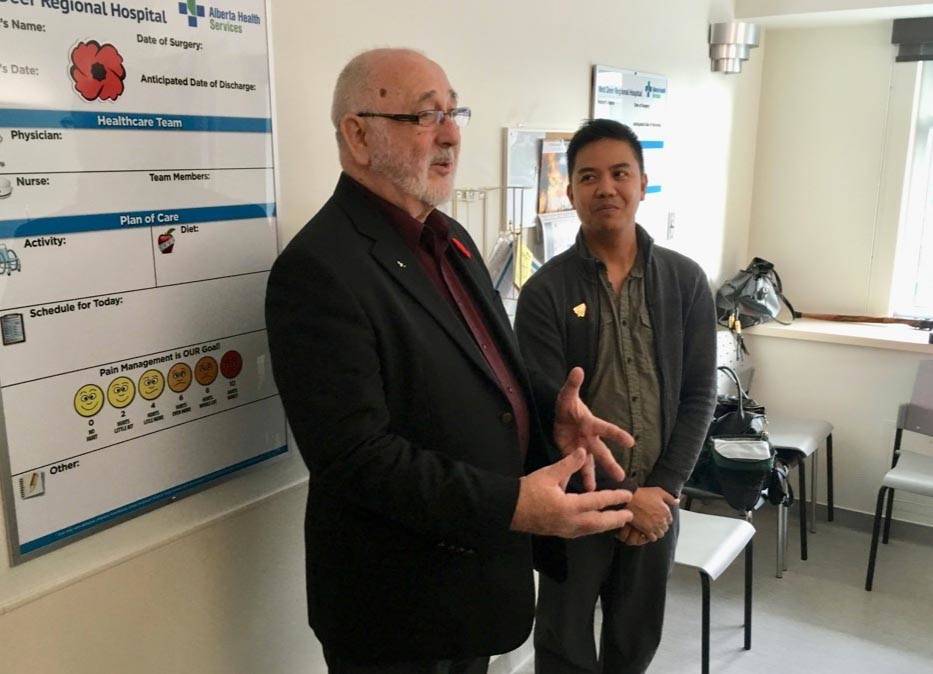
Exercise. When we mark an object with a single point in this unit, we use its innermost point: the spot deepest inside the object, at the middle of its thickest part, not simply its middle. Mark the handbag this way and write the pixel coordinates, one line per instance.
(737, 415)
(754, 295)
(737, 459)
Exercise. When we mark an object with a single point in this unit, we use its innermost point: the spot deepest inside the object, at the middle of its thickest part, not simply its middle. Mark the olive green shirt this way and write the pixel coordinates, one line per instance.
(624, 389)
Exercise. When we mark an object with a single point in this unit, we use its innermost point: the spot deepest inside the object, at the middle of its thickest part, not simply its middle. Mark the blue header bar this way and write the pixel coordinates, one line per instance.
(65, 224)
(652, 144)
(129, 121)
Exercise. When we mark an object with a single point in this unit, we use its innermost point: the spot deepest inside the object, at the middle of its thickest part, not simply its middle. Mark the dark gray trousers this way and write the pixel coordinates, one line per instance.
(630, 581)
(338, 665)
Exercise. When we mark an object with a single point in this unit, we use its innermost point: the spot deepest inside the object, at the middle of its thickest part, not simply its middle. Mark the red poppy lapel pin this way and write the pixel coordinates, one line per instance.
(464, 251)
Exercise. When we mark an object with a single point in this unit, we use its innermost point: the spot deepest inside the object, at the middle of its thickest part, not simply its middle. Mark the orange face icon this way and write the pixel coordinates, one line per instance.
(205, 371)
(179, 377)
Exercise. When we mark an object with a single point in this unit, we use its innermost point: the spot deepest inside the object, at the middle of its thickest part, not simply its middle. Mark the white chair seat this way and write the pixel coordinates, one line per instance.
(804, 435)
(710, 543)
(913, 473)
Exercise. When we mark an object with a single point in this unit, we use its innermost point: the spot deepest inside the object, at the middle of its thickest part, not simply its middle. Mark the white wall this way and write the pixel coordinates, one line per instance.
(773, 7)
(528, 63)
(831, 151)
(813, 12)
(229, 596)
(858, 390)
(820, 154)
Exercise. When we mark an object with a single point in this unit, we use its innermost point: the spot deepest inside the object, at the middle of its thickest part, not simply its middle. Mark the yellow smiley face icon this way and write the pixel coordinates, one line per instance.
(179, 377)
(121, 392)
(151, 384)
(88, 400)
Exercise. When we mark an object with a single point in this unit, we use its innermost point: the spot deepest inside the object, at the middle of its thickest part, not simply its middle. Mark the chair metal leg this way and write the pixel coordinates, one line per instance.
(898, 434)
(802, 474)
(887, 517)
(781, 536)
(814, 466)
(829, 478)
(873, 552)
(894, 457)
(704, 580)
(749, 555)
(786, 526)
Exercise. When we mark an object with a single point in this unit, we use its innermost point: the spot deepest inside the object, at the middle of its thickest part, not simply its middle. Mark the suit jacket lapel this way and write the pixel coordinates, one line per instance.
(394, 256)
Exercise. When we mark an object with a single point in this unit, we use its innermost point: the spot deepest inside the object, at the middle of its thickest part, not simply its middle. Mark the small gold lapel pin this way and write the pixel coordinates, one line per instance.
(401, 264)
(580, 310)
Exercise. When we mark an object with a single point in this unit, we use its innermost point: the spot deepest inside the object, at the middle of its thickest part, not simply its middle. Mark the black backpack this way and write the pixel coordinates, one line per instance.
(752, 296)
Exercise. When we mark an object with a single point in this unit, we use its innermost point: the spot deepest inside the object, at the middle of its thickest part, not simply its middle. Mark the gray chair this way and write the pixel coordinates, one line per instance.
(710, 544)
(910, 471)
(795, 439)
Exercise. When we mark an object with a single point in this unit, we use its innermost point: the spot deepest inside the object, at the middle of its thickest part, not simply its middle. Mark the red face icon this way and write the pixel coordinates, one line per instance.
(230, 364)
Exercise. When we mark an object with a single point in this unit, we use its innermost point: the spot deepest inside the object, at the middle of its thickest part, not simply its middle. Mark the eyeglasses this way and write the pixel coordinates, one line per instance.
(428, 118)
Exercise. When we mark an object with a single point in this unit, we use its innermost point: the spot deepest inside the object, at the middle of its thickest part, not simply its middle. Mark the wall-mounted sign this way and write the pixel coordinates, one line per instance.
(137, 228)
(639, 100)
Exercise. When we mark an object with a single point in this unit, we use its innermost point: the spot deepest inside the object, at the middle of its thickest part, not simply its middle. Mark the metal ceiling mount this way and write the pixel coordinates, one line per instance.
(730, 44)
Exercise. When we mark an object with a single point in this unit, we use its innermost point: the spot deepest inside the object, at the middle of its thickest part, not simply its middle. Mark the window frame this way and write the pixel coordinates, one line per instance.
(916, 209)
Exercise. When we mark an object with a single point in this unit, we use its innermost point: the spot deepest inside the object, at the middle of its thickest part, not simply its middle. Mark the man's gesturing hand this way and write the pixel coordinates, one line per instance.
(544, 508)
(575, 426)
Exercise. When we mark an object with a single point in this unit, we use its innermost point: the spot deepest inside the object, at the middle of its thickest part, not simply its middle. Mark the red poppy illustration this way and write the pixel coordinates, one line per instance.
(97, 71)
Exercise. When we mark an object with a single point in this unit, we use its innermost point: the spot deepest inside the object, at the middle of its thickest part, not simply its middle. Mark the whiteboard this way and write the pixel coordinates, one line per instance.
(137, 228)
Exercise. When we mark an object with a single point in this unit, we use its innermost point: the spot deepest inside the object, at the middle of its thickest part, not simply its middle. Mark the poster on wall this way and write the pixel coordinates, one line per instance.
(639, 100)
(137, 228)
(553, 178)
(558, 219)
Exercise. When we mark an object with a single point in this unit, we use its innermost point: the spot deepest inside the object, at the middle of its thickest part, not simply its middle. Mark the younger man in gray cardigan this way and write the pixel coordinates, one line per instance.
(639, 320)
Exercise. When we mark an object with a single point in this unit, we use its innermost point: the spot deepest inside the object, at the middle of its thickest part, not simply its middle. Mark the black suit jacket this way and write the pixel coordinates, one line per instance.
(414, 463)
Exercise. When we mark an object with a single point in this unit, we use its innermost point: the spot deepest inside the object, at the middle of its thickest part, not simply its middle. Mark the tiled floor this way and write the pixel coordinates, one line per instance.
(817, 619)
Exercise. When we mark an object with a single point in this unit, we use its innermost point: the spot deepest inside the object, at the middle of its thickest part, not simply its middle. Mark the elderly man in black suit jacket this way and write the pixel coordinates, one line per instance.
(409, 402)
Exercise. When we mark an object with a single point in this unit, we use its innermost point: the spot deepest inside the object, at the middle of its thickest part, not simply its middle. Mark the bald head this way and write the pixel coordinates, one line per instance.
(407, 163)
(376, 79)
(353, 91)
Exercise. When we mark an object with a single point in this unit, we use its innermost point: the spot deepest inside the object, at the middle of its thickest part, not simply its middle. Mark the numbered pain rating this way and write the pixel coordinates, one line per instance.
(120, 393)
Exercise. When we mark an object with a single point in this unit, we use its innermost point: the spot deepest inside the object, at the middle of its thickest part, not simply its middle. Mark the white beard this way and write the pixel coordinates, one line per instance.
(410, 173)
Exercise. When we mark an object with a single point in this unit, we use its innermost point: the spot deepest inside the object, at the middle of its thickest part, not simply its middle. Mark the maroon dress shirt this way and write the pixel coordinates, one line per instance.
(430, 241)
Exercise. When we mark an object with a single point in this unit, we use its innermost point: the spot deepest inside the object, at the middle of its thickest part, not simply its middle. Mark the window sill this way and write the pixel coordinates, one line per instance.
(873, 335)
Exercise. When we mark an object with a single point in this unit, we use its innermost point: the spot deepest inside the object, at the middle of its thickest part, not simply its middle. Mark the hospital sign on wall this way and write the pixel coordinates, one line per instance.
(137, 228)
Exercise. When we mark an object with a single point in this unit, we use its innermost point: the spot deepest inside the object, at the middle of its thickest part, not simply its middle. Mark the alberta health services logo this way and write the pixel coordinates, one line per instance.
(192, 11)
(654, 91)
(227, 20)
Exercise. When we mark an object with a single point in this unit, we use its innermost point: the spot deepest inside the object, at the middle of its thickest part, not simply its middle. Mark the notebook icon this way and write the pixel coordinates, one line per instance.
(32, 484)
